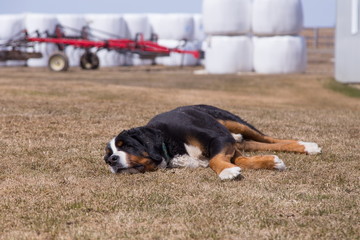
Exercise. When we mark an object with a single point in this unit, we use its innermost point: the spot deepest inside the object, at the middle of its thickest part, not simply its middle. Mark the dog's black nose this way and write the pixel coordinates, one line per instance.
(114, 158)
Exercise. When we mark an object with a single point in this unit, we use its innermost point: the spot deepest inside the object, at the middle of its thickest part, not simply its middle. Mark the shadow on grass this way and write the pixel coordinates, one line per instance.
(344, 89)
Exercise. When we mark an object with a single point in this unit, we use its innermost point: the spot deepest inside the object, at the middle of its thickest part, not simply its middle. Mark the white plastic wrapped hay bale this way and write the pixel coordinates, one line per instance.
(72, 26)
(177, 59)
(279, 54)
(41, 23)
(172, 26)
(110, 58)
(15, 63)
(11, 27)
(277, 17)
(72, 23)
(132, 59)
(199, 33)
(107, 26)
(138, 23)
(227, 17)
(74, 54)
(228, 55)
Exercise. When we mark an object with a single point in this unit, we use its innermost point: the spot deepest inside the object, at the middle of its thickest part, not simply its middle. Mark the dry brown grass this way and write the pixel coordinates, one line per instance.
(55, 185)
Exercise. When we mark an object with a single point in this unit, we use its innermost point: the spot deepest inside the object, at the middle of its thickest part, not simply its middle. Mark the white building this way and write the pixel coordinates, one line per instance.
(347, 49)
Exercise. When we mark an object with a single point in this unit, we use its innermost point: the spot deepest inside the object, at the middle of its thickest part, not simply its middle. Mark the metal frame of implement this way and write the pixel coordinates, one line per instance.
(58, 61)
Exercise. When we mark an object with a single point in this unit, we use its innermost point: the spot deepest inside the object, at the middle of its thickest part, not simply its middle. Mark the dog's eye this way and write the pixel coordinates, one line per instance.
(119, 144)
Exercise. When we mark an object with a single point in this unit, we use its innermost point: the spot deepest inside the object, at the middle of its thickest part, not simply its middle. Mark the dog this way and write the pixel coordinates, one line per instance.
(198, 136)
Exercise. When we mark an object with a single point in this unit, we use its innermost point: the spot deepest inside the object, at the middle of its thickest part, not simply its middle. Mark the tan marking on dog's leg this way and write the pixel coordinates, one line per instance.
(281, 147)
(249, 133)
(297, 147)
(276, 140)
(260, 162)
(221, 165)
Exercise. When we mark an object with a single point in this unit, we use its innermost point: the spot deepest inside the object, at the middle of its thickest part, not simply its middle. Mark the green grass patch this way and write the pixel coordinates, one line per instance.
(343, 88)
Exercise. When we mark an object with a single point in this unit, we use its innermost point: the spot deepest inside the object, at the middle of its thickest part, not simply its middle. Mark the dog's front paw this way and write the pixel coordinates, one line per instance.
(230, 173)
(279, 164)
(311, 148)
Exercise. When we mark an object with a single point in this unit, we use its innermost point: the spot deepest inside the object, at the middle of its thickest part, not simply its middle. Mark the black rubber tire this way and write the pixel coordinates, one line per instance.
(89, 61)
(58, 62)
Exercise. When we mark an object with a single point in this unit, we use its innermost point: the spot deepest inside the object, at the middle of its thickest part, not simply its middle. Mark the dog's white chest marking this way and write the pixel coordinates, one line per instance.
(193, 158)
(193, 151)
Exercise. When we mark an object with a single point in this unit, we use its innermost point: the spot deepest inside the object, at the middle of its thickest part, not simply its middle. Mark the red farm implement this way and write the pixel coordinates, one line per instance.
(58, 61)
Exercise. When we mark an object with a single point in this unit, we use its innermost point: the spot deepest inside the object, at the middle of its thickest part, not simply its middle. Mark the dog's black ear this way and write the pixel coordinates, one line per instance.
(143, 140)
(152, 140)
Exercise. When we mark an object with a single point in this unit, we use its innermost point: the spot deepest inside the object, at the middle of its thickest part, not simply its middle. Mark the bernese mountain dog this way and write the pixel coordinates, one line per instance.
(198, 136)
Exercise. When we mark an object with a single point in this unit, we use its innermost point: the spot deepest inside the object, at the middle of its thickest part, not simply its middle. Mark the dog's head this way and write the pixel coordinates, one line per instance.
(135, 150)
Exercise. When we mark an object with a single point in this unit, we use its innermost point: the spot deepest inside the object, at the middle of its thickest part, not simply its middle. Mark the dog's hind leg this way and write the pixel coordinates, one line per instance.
(296, 146)
(254, 140)
(250, 133)
(271, 162)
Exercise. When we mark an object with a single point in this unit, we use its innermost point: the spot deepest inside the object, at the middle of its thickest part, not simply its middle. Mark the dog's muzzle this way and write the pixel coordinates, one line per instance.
(113, 160)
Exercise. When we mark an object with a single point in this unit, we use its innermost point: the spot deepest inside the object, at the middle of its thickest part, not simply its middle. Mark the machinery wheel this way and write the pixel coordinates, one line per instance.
(58, 62)
(89, 61)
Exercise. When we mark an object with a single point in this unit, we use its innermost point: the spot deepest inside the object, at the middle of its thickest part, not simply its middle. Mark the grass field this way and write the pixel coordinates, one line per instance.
(55, 185)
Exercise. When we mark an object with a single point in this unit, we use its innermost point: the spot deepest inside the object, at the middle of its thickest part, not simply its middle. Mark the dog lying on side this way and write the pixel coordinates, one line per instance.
(198, 136)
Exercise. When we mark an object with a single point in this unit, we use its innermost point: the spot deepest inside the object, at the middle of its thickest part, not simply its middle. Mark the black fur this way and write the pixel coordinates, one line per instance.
(223, 115)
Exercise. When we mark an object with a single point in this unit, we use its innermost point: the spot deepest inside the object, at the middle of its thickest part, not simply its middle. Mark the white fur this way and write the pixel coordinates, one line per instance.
(122, 162)
(123, 159)
(185, 161)
(229, 173)
(193, 151)
(279, 164)
(112, 145)
(310, 147)
(237, 137)
(193, 158)
(163, 164)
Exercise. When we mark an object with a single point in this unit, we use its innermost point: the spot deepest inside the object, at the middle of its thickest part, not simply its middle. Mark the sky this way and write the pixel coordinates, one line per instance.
(317, 13)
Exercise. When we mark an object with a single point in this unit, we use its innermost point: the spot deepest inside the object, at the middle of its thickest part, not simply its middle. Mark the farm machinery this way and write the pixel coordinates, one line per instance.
(18, 48)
